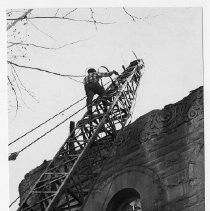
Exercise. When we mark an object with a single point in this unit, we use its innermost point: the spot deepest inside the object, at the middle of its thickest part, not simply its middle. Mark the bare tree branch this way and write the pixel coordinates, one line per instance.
(64, 18)
(153, 16)
(70, 12)
(42, 70)
(134, 18)
(57, 11)
(44, 47)
(92, 17)
(12, 43)
(24, 88)
(16, 98)
(17, 85)
(24, 16)
(42, 31)
(18, 46)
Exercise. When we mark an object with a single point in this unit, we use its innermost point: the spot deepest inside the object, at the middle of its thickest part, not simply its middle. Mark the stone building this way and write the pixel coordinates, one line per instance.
(157, 165)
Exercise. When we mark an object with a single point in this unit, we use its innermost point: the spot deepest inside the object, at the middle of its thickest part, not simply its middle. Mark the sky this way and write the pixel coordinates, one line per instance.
(169, 40)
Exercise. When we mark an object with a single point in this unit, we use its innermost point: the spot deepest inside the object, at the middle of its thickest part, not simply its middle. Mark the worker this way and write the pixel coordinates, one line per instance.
(92, 87)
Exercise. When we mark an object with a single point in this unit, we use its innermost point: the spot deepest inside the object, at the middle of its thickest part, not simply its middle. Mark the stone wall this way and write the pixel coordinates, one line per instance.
(160, 156)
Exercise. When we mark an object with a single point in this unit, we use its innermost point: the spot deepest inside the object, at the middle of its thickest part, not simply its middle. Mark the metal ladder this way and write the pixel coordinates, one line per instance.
(71, 175)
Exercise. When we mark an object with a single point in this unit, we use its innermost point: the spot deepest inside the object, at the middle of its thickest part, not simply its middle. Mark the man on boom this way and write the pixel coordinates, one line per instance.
(92, 86)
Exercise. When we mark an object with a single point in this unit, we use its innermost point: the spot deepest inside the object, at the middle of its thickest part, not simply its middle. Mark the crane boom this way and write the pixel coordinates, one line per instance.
(71, 175)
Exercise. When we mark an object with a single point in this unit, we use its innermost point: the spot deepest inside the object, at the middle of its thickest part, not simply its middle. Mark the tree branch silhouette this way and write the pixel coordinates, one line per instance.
(24, 16)
(45, 47)
(62, 18)
(43, 70)
(16, 97)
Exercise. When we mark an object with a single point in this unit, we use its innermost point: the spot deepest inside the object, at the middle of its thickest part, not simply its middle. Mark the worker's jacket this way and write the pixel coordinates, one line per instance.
(94, 77)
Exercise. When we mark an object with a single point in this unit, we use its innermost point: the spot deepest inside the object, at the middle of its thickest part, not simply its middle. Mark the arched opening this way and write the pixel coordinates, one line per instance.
(127, 199)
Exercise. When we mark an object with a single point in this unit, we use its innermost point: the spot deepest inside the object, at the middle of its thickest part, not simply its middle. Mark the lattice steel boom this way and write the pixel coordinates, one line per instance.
(71, 175)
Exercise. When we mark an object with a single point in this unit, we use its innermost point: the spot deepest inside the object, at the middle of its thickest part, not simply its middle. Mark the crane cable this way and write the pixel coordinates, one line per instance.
(46, 121)
(70, 77)
(14, 155)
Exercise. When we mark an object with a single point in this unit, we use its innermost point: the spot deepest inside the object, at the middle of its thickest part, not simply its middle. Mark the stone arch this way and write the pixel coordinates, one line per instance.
(124, 199)
(139, 179)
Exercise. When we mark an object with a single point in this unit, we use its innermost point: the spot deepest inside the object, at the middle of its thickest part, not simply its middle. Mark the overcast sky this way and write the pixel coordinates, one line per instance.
(169, 40)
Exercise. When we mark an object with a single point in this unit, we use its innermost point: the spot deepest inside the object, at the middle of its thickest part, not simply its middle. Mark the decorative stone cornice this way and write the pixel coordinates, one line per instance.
(159, 122)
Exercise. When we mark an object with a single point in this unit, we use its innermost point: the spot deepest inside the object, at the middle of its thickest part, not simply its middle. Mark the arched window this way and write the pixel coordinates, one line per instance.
(127, 199)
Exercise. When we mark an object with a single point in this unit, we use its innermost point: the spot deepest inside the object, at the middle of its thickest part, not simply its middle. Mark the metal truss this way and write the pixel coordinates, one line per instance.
(71, 175)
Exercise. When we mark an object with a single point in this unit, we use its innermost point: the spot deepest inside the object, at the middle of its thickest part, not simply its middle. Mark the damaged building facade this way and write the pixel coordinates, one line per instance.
(157, 164)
